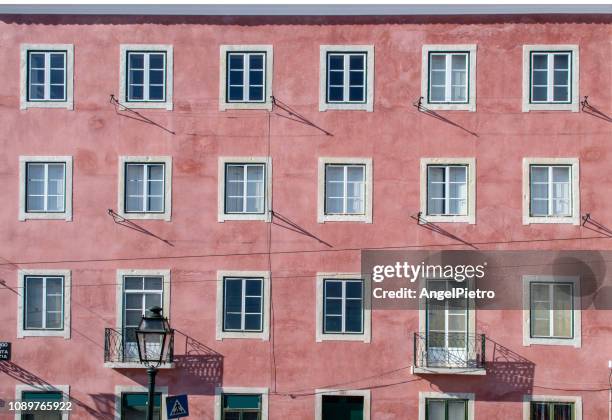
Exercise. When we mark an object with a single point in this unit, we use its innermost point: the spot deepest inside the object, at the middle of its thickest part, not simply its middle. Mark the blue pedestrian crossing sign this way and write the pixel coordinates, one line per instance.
(177, 406)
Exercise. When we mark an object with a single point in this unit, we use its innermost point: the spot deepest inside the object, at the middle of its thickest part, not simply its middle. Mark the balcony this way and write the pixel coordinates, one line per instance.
(121, 350)
(449, 353)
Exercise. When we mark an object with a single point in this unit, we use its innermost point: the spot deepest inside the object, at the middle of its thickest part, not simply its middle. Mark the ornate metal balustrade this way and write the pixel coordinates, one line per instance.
(120, 346)
(449, 350)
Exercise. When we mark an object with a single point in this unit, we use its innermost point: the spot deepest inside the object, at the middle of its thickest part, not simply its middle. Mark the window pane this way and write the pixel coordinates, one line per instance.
(156, 93)
(56, 92)
(438, 78)
(232, 322)
(133, 283)
(540, 94)
(152, 299)
(561, 77)
(134, 187)
(135, 92)
(539, 173)
(333, 306)
(134, 406)
(562, 321)
(256, 61)
(456, 410)
(336, 78)
(247, 401)
(459, 61)
(255, 205)
(236, 93)
(357, 62)
(336, 94)
(539, 411)
(560, 93)
(256, 77)
(256, 93)
(156, 61)
(561, 61)
(437, 94)
(333, 324)
(252, 305)
(438, 61)
(540, 61)
(252, 322)
(136, 60)
(57, 76)
(354, 311)
(233, 295)
(253, 287)
(540, 78)
(133, 301)
(336, 62)
(333, 288)
(435, 410)
(37, 60)
(563, 411)
(34, 302)
(354, 289)
(236, 61)
(355, 78)
(459, 93)
(236, 77)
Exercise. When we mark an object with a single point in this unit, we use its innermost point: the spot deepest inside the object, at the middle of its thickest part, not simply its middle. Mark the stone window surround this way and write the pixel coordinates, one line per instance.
(121, 273)
(258, 335)
(365, 218)
(574, 105)
(576, 341)
(121, 389)
(368, 105)
(23, 91)
(219, 391)
(123, 50)
(423, 396)
(319, 393)
(266, 215)
(367, 312)
(65, 332)
(575, 181)
(64, 389)
(528, 399)
(269, 68)
(167, 214)
(470, 162)
(67, 213)
(429, 48)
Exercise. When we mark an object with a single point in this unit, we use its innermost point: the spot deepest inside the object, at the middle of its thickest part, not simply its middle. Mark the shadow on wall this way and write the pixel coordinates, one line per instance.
(198, 368)
(104, 402)
(509, 377)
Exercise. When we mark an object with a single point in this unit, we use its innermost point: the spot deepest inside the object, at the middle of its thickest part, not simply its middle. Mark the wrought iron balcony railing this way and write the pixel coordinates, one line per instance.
(449, 350)
(120, 346)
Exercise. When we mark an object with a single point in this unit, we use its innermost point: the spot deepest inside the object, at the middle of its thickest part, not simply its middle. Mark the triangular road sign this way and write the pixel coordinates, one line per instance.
(177, 409)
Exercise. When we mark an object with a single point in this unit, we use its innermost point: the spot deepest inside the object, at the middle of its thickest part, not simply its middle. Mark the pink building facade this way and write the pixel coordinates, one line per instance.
(231, 169)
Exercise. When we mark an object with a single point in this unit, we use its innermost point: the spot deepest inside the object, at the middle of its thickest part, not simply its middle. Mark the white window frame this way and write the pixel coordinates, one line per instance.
(365, 393)
(123, 77)
(575, 191)
(424, 396)
(67, 213)
(264, 334)
(266, 215)
(25, 103)
(576, 400)
(64, 389)
(127, 389)
(576, 341)
(470, 217)
(22, 332)
(322, 217)
(224, 104)
(119, 281)
(368, 104)
(366, 335)
(471, 79)
(167, 214)
(574, 104)
(219, 391)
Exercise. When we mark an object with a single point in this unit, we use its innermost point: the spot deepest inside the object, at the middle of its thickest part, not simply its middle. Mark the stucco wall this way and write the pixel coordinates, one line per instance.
(395, 136)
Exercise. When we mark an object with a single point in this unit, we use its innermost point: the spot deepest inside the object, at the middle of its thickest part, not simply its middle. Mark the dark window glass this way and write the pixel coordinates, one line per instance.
(337, 407)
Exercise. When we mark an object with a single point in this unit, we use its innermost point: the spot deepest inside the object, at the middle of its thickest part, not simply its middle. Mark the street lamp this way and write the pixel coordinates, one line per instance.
(152, 339)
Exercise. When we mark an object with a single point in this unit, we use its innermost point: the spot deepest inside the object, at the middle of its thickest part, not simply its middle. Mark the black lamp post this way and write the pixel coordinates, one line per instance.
(153, 343)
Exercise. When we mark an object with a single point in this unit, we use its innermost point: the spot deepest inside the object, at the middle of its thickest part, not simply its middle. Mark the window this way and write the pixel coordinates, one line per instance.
(145, 187)
(449, 77)
(134, 405)
(131, 402)
(246, 77)
(345, 189)
(146, 76)
(446, 406)
(244, 186)
(139, 294)
(550, 191)
(44, 307)
(51, 394)
(343, 307)
(146, 79)
(552, 314)
(47, 76)
(448, 190)
(243, 304)
(347, 80)
(241, 407)
(552, 411)
(238, 403)
(331, 404)
(443, 409)
(550, 77)
(45, 187)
